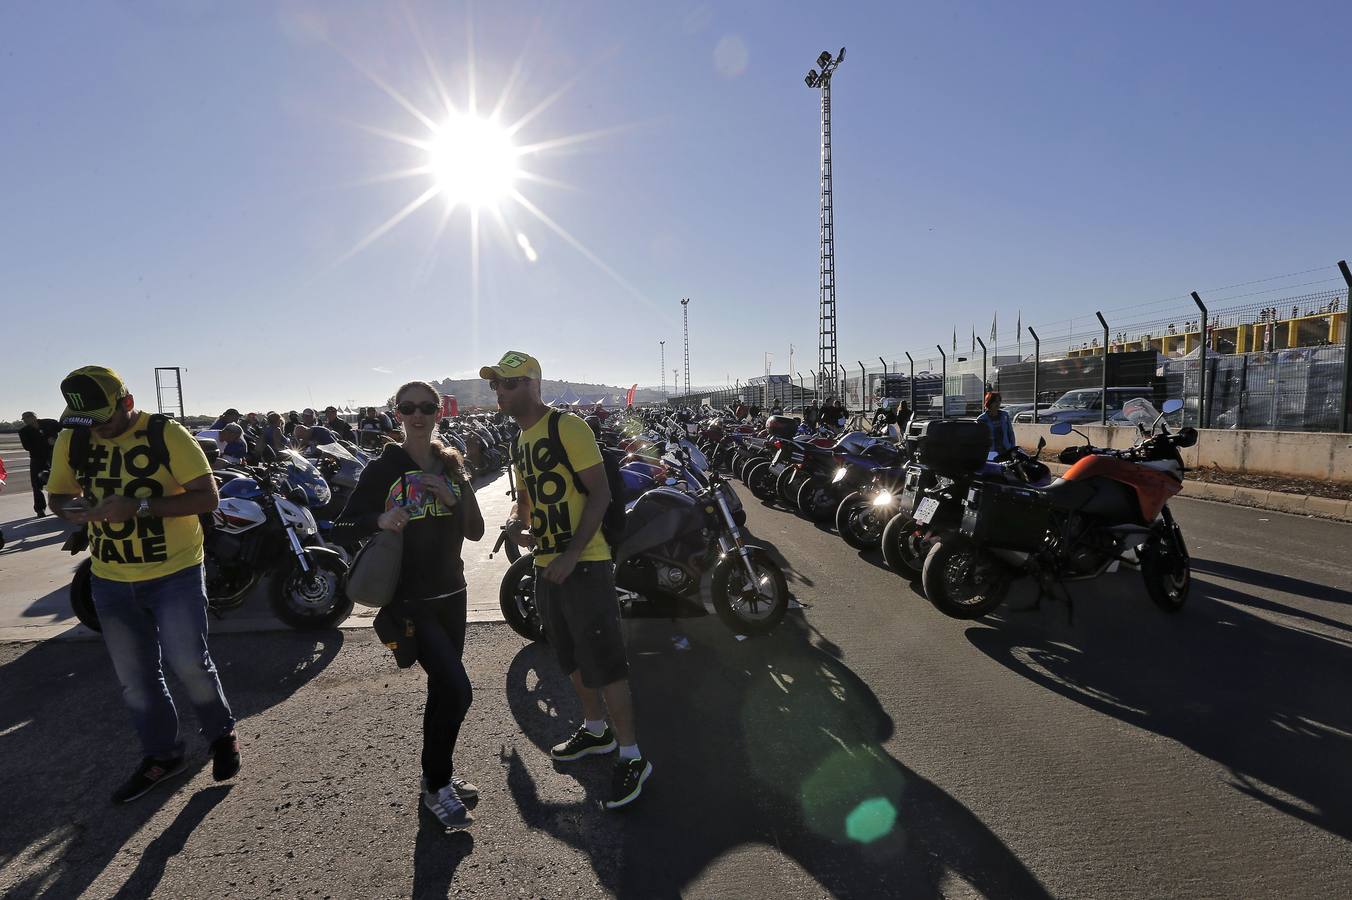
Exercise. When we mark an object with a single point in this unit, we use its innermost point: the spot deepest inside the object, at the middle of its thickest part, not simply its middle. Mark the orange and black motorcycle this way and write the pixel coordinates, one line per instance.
(1109, 509)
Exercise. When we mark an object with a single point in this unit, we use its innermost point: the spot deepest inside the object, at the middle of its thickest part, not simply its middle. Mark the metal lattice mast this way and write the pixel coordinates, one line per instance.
(826, 312)
(685, 317)
(663, 345)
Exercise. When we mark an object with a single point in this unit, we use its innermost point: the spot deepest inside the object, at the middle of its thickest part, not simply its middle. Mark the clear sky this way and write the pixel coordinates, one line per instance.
(181, 182)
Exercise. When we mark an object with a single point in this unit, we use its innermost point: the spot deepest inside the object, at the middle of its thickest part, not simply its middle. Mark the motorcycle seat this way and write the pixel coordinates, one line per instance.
(1071, 495)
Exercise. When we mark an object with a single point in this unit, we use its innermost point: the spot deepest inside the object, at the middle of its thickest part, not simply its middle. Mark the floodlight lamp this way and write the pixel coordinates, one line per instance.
(824, 59)
(810, 79)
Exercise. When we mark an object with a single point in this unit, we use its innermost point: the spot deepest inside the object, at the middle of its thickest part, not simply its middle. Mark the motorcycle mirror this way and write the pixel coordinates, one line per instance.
(1171, 406)
(1061, 428)
(1186, 437)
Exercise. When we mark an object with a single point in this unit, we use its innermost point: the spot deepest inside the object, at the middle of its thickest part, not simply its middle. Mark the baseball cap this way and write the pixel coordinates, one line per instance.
(514, 364)
(91, 394)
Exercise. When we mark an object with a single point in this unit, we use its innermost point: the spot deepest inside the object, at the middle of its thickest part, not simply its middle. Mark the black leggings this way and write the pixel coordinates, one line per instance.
(440, 628)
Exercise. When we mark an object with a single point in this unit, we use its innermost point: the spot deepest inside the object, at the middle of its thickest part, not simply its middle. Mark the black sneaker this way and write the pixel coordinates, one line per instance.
(628, 781)
(225, 757)
(150, 773)
(583, 743)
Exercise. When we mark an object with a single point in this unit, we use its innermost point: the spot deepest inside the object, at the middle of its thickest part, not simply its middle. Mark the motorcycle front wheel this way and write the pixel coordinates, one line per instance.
(904, 546)
(857, 522)
(1167, 572)
(308, 601)
(962, 580)
(82, 596)
(740, 605)
(516, 596)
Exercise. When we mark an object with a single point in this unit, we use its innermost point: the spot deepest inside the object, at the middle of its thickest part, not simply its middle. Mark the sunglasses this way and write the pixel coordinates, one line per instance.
(508, 383)
(427, 407)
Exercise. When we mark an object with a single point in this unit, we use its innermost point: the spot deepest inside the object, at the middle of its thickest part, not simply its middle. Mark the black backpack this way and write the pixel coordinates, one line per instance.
(612, 524)
(80, 443)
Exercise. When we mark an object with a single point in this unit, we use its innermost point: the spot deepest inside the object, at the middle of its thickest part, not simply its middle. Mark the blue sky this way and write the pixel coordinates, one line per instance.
(178, 181)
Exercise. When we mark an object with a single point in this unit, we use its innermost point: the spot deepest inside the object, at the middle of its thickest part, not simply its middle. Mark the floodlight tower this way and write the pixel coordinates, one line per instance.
(826, 314)
(685, 317)
(663, 345)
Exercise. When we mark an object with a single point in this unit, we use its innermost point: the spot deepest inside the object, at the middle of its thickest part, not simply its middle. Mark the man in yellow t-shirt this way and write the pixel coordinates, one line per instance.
(137, 483)
(561, 501)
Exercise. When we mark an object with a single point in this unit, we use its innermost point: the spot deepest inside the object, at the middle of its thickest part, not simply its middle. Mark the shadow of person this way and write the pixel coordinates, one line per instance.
(32, 533)
(170, 843)
(769, 741)
(435, 856)
(1272, 581)
(66, 742)
(1265, 699)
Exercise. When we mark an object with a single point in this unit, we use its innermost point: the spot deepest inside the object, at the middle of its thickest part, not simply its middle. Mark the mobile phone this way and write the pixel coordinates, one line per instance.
(76, 506)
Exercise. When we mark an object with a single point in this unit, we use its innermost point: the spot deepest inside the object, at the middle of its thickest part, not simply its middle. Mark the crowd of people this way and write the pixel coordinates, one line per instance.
(142, 481)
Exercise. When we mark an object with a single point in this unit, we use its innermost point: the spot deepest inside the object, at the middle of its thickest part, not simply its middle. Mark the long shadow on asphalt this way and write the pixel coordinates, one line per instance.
(66, 742)
(771, 741)
(1273, 581)
(1266, 700)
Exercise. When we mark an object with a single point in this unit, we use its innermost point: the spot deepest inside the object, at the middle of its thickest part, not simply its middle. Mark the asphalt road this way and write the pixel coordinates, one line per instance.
(870, 748)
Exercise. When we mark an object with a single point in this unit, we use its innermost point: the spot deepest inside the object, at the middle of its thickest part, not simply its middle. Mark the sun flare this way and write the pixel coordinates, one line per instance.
(473, 161)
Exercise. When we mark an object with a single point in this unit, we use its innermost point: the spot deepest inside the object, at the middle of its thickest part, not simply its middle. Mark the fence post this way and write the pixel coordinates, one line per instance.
(844, 386)
(886, 387)
(1347, 348)
(1103, 401)
(943, 384)
(1037, 364)
(863, 379)
(911, 382)
(985, 386)
(1203, 413)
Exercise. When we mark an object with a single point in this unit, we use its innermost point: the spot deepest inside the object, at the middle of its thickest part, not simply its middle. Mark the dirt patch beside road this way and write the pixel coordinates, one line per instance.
(1333, 490)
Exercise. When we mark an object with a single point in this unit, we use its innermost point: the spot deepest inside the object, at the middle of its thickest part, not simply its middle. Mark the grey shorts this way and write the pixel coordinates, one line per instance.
(582, 622)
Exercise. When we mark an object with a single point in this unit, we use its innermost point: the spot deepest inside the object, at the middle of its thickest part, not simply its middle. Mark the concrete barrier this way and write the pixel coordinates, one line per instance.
(1295, 454)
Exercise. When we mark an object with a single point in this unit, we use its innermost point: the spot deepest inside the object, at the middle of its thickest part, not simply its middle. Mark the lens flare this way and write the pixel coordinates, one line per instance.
(473, 161)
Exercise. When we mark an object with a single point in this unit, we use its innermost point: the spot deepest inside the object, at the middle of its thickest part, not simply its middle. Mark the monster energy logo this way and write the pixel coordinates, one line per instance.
(75, 401)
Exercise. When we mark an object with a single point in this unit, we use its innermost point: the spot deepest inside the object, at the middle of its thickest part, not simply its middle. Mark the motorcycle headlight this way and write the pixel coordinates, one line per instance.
(884, 498)
(840, 474)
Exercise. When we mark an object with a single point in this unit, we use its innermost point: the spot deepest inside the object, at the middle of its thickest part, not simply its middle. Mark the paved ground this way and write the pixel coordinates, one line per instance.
(870, 748)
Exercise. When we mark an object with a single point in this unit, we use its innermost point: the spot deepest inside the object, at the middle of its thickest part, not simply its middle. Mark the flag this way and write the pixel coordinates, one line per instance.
(1018, 333)
(629, 397)
(993, 339)
(973, 338)
(955, 339)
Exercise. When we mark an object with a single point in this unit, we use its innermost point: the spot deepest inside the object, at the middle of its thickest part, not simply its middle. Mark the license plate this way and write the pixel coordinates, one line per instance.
(775, 460)
(926, 510)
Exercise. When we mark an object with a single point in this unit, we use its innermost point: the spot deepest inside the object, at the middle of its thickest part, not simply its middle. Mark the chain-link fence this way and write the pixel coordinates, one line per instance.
(1275, 357)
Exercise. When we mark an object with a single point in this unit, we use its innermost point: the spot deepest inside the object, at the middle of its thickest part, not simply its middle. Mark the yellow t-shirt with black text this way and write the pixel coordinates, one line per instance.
(555, 502)
(140, 548)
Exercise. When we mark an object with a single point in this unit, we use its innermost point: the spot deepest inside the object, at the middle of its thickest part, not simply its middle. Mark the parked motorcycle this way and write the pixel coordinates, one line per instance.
(673, 537)
(1110, 508)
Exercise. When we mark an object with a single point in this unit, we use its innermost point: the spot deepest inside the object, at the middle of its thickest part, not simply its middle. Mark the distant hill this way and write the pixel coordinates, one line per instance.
(475, 392)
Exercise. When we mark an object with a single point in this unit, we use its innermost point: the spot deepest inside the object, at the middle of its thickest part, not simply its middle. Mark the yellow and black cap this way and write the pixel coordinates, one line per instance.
(514, 364)
(91, 394)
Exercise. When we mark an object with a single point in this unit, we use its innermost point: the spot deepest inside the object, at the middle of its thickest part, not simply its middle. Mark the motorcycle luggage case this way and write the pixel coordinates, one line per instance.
(918, 480)
(1006, 516)
(953, 447)
(782, 426)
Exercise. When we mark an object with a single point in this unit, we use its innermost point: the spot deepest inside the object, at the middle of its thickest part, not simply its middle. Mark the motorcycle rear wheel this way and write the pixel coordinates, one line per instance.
(761, 480)
(516, 597)
(814, 500)
(742, 608)
(857, 523)
(786, 485)
(962, 580)
(82, 596)
(903, 548)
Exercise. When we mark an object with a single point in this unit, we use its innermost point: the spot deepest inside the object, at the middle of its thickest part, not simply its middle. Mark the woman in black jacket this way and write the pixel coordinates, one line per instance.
(421, 489)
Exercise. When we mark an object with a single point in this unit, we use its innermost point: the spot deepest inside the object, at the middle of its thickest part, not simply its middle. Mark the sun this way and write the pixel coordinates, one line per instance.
(473, 161)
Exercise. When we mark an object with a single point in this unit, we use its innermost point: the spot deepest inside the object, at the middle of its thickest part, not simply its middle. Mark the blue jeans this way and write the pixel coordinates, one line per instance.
(143, 620)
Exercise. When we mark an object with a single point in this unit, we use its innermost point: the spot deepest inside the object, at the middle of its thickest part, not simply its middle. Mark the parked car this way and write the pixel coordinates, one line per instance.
(1085, 406)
